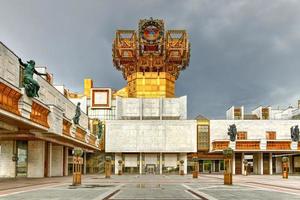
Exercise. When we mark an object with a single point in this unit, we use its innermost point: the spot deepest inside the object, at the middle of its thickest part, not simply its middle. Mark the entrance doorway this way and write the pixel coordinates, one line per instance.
(21, 163)
(266, 163)
(207, 166)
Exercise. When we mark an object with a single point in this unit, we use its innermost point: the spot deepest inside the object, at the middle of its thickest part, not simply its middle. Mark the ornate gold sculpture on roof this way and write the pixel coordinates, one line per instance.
(151, 59)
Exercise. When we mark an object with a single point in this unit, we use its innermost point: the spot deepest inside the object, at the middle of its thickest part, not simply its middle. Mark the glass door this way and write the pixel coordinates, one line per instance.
(21, 164)
(207, 166)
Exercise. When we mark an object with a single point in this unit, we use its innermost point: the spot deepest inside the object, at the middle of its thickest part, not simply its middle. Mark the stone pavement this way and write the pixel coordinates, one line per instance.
(96, 187)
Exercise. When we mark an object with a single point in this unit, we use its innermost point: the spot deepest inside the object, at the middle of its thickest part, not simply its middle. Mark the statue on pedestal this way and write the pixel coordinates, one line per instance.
(77, 114)
(31, 86)
(295, 133)
(232, 132)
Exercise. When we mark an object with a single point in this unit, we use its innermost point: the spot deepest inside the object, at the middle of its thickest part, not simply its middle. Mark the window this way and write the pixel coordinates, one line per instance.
(237, 114)
(242, 136)
(271, 135)
(203, 137)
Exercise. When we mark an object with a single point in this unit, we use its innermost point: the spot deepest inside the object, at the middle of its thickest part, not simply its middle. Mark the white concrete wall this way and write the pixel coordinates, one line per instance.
(51, 96)
(9, 66)
(256, 129)
(36, 158)
(257, 112)
(230, 113)
(151, 136)
(57, 160)
(127, 108)
(7, 166)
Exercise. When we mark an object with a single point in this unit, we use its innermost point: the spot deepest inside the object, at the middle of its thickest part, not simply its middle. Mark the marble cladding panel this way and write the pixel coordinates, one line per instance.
(150, 136)
(175, 108)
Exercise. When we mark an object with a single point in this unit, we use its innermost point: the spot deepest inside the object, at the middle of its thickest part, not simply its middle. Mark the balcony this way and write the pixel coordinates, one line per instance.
(247, 145)
(49, 115)
(220, 145)
(278, 145)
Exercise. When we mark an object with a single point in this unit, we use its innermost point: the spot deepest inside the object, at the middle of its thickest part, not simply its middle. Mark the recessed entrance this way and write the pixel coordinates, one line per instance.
(21, 163)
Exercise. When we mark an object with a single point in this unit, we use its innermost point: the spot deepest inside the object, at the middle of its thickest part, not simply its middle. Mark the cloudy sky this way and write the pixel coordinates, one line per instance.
(243, 52)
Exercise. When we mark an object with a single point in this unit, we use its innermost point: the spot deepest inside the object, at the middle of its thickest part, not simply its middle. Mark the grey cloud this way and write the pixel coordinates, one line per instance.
(243, 52)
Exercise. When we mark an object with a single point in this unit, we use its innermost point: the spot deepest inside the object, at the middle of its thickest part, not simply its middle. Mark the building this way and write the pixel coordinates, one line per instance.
(146, 126)
(142, 128)
(37, 134)
(263, 138)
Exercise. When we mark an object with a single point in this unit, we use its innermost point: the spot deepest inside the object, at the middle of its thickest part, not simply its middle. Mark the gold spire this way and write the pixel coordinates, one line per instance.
(151, 59)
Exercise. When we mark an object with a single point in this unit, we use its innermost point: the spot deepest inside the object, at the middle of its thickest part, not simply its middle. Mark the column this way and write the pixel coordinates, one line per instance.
(291, 166)
(57, 160)
(243, 166)
(270, 164)
(66, 161)
(261, 164)
(278, 165)
(160, 163)
(84, 162)
(141, 163)
(49, 157)
(233, 164)
(160, 108)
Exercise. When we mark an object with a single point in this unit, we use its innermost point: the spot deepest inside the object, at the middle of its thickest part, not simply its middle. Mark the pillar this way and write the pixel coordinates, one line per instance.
(66, 161)
(160, 163)
(49, 157)
(291, 166)
(233, 164)
(278, 165)
(141, 163)
(261, 164)
(7, 165)
(57, 160)
(84, 162)
(36, 159)
(243, 165)
(270, 164)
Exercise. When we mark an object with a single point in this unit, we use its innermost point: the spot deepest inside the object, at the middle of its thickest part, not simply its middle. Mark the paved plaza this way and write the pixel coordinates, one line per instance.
(96, 187)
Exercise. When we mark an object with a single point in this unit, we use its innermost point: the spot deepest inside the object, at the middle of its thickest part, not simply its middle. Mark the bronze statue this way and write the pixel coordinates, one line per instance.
(100, 129)
(232, 132)
(295, 133)
(31, 86)
(77, 114)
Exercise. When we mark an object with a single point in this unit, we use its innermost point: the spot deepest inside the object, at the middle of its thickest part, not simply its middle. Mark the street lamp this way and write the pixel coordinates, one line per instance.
(228, 153)
(77, 162)
(285, 167)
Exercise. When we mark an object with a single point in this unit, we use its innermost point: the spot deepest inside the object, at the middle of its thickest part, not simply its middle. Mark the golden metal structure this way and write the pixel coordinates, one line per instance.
(151, 59)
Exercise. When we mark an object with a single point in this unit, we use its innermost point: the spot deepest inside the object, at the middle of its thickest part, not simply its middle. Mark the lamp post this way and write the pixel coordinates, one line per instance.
(77, 162)
(285, 167)
(228, 153)
(107, 167)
